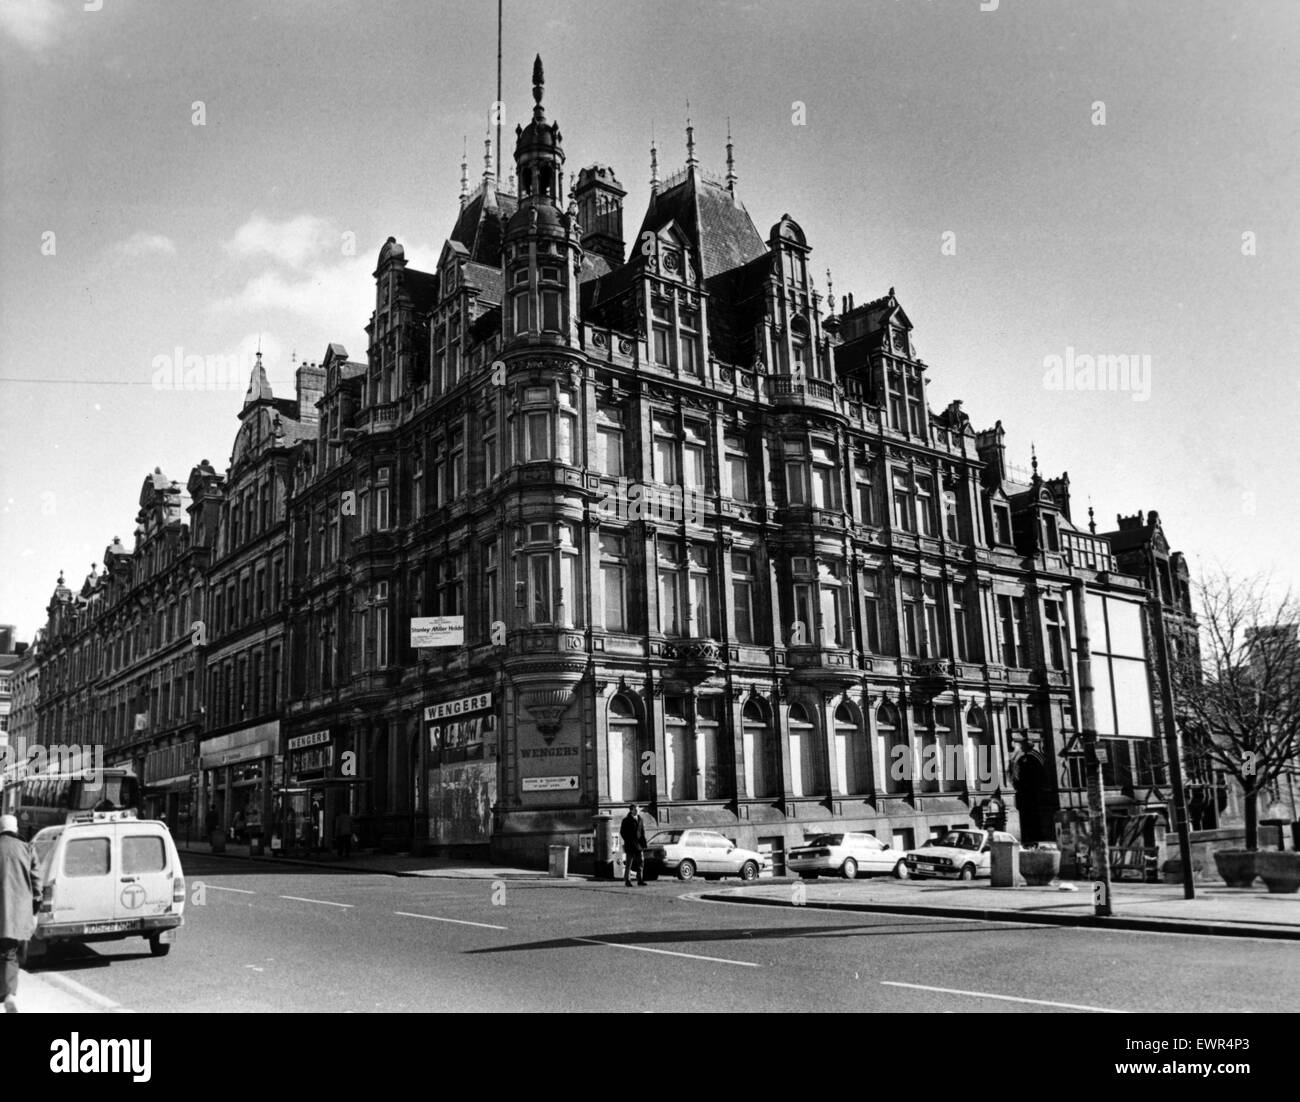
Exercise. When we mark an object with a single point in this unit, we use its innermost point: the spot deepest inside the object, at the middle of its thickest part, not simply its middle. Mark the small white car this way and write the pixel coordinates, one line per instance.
(108, 876)
(706, 852)
(964, 854)
(845, 855)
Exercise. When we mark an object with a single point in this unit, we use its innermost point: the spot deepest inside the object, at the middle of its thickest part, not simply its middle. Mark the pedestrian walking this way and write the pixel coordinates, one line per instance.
(343, 833)
(20, 898)
(632, 831)
(211, 820)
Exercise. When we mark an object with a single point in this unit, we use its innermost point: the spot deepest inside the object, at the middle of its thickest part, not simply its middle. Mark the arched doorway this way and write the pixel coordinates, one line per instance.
(1029, 777)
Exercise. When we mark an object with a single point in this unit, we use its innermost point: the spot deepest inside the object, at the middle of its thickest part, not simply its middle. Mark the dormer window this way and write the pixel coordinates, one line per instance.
(1051, 539)
(1002, 524)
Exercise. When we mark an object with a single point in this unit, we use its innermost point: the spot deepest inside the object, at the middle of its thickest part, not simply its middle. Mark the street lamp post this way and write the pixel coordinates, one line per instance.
(1172, 751)
(1100, 844)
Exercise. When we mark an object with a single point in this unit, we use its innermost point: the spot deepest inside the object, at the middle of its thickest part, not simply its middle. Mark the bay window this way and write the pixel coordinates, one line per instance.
(665, 450)
(672, 580)
(737, 464)
(904, 501)
(613, 581)
(911, 620)
(742, 595)
(701, 584)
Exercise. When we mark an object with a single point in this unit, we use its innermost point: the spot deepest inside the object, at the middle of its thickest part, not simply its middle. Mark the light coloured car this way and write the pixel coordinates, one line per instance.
(108, 876)
(706, 853)
(964, 854)
(844, 855)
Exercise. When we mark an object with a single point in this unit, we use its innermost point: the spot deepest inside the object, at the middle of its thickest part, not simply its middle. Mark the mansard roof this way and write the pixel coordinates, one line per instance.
(715, 221)
(480, 226)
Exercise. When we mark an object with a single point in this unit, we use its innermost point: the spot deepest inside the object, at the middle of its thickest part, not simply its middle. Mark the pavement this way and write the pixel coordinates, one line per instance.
(1217, 910)
(53, 993)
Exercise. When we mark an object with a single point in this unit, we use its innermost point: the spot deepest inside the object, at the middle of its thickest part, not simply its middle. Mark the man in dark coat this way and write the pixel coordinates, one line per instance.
(632, 831)
(20, 897)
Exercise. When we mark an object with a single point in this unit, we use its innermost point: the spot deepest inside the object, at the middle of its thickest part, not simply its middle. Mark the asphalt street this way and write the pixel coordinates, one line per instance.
(274, 938)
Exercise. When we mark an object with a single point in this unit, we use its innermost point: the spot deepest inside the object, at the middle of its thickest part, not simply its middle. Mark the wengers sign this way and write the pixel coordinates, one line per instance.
(458, 729)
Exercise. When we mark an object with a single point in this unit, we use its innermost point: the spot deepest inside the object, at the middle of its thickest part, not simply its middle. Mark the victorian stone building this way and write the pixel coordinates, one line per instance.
(712, 549)
(242, 634)
(118, 665)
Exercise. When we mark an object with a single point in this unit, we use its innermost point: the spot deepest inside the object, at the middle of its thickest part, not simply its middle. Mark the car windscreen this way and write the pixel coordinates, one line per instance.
(824, 840)
(666, 838)
(959, 840)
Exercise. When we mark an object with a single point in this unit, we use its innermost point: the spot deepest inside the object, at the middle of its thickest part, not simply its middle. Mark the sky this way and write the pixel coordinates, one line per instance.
(1040, 182)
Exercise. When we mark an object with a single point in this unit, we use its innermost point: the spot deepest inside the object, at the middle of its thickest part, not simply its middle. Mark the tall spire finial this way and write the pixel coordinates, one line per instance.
(1033, 461)
(1092, 523)
(830, 291)
(487, 160)
(691, 162)
(539, 82)
(464, 170)
(731, 162)
(654, 163)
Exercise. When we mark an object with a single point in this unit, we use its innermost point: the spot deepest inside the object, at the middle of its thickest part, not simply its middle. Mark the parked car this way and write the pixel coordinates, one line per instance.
(706, 852)
(962, 853)
(108, 876)
(845, 854)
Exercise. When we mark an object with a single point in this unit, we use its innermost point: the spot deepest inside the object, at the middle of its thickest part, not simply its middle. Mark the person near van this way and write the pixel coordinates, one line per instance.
(20, 898)
(343, 833)
(632, 831)
(238, 826)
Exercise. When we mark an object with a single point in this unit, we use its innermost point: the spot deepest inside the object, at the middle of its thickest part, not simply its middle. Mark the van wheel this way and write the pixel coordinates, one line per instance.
(158, 948)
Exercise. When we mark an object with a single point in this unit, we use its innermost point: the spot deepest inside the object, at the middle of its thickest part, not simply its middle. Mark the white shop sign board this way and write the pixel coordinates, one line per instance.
(549, 784)
(438, 631)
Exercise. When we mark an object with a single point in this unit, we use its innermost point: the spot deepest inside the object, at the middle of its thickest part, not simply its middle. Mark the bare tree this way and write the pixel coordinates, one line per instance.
(1238, 699)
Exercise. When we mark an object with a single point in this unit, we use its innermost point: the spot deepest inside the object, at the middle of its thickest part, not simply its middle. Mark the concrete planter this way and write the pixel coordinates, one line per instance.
(1236, 866)
(1040, 866)
(1280, 871)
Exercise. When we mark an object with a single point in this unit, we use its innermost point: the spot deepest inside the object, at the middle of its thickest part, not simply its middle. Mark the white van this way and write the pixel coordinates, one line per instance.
(108, 875)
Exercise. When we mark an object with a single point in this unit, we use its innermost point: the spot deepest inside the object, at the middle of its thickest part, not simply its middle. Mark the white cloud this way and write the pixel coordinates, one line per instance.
(33, 23)
(293, 242)
(327, 293)
(142, 244)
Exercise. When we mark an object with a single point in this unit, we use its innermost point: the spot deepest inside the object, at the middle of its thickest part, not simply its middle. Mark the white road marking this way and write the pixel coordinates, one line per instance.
(666, 952)
(219, 888)
(457, 921)
(322, 902)
(1003, 998)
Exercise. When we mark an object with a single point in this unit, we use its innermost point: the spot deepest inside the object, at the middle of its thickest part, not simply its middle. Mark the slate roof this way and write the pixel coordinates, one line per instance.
(479, 227)
(717, 224)
(422, 287)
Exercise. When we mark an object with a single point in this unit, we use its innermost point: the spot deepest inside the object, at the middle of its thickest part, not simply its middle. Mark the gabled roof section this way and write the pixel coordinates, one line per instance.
(713, 219)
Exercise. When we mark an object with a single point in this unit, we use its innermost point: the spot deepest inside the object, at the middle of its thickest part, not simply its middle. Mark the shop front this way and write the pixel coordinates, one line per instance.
(320, 785)
(170, 776)
(235, 772)
(463, 759)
